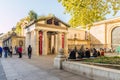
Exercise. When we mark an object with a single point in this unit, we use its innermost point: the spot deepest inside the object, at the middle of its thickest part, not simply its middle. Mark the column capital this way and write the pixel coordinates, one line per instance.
(65, 32)
(28, 32)
(44, 31)
(36, 29)
(59, 32)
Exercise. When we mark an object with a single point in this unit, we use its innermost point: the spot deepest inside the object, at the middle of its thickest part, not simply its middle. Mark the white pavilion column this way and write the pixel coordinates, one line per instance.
(45, 43)
(56, 44)
(36, 40)
(26, 42)
(60, 57)
(59, 41)
(65, 44)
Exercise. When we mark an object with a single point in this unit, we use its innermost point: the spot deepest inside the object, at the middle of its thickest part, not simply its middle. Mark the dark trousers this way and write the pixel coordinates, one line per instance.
(29, 55)
(0, 54)
(20, 55)
(6, 53)
(10, 54)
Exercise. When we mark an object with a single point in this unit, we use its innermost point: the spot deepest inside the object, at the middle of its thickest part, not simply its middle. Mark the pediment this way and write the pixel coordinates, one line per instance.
(52, 21)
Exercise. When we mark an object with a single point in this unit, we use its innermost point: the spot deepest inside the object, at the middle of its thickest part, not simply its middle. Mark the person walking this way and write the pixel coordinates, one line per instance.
(94, 52)
(16, 50)
(1, 51)
(6, 51)
(29, 51)
(20, 51)
(87, 53)
(10, 51)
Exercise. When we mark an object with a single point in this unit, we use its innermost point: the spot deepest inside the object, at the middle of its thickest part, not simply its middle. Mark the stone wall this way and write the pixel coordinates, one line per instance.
(77, 37)
(101, 32)
(92, 72)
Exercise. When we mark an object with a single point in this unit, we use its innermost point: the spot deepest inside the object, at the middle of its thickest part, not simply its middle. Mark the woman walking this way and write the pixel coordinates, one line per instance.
(20, 51)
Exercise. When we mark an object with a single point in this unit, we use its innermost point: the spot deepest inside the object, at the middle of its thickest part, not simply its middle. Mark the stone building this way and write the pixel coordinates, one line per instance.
(12, 39)
(106, 34)
(78, 37)
(46, 35)
(1, 40)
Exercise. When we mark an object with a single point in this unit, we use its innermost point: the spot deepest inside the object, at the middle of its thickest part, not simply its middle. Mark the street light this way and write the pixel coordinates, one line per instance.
(75, 41)
(13, 31)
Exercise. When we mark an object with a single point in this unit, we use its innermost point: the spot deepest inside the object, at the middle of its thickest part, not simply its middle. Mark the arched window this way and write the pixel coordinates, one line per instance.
(49, 21)
(52, 21)
(115, 37)
(56, 22)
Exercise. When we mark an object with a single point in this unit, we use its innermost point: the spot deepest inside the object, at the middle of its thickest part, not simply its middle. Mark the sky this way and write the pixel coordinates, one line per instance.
(11, 11)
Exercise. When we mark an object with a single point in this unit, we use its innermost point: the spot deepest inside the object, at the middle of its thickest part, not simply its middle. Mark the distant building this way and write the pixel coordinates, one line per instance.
(106, 33)
(1, 40)
(12, 39)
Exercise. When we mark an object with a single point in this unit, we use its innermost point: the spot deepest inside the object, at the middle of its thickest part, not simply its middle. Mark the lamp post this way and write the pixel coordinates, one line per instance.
(13, 31)
(75, 42)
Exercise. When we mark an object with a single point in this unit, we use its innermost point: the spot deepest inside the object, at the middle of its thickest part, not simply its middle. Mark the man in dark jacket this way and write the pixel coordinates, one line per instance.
(72, 55)
(87, 53)
(6, 50)
(29, 51)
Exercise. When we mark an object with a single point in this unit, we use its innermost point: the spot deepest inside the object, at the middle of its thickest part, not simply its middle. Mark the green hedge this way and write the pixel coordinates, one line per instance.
(105, 60)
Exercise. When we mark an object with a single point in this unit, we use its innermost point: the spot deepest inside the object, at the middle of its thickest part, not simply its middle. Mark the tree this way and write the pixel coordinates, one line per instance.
(85, 12)
(32, 15)
(18, 28)
(21, 24)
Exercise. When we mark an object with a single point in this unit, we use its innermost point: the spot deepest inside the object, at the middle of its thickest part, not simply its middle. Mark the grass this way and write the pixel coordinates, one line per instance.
(104, 60)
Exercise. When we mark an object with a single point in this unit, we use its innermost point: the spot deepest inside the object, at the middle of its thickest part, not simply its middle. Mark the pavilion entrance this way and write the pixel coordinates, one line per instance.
(48, 42)
(51, 39)
(47, 35)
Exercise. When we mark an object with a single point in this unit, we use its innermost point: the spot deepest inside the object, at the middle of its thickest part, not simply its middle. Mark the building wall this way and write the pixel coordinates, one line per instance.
(110, 27)
(80, 34)
(77, 37)
(97, 35)
(1, 44)
(101, 32)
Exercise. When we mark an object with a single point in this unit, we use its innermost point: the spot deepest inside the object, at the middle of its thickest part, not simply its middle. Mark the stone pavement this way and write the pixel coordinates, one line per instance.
(2, 73)
(37, 68)
(46, 63)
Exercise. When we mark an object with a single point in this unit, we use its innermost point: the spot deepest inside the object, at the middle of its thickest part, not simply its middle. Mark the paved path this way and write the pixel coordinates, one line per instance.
(2, 73)
(46, 63)
(37, 68)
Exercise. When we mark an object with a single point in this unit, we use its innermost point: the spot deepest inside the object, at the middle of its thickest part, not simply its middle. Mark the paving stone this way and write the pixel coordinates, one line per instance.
(2, 73)
(37, 68)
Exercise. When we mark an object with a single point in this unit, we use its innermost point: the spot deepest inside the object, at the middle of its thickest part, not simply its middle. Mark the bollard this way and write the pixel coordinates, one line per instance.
(59, 59)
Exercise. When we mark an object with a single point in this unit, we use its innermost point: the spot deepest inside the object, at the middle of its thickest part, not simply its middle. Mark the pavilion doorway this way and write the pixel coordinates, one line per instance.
(51, 39)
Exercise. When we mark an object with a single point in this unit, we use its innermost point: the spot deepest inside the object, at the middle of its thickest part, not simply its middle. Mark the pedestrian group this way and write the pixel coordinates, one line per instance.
(85, 53)
(8, 51)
